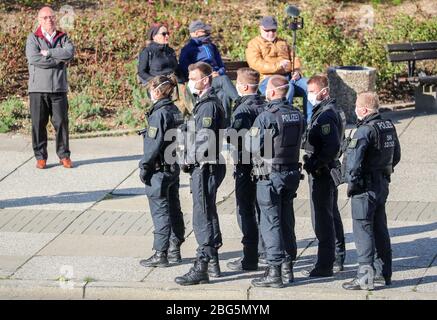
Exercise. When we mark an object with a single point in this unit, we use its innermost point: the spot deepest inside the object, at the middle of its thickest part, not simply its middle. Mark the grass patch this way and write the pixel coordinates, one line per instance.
(12, 114)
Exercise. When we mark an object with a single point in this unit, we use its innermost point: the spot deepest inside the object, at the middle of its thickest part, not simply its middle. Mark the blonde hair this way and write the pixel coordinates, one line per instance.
(280, 84)
(248, 75)
(368, 100)
(321, 80)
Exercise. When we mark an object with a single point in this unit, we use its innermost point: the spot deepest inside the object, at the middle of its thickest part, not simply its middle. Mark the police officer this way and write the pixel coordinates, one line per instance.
(370, 158)
(247, 108)
(207, 173)
(276, 136)
(161, 178)
(322, 144)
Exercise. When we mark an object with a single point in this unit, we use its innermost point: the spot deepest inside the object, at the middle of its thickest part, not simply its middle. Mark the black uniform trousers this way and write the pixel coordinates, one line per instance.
(42, 107)
(205, 180)
(248, 213)
(275, 198)
(340, 242)
(165, 208)
(370, 224)
(322, 194)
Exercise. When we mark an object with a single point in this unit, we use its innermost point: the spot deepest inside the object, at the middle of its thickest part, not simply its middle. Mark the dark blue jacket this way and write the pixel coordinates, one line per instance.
(164, 116)
(208, 117)
(286, 124)
(324, 135)
(247, 108)
(196, 50)
(374, 148)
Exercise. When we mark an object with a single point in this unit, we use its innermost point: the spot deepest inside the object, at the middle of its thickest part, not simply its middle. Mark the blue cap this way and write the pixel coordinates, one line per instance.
(269, 23)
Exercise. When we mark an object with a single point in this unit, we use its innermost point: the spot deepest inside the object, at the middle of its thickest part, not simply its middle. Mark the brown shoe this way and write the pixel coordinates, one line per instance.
(66, 162)
(41, 164)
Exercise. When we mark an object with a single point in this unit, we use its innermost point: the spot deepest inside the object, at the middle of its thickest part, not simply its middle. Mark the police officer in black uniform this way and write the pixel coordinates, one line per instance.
(160, 177)
(370, 158)
(207, 171)
(322, 143)
(247, 108)
(275, 142)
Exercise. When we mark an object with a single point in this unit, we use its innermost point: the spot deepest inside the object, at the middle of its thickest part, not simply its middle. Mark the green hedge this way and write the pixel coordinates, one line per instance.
(108, 37)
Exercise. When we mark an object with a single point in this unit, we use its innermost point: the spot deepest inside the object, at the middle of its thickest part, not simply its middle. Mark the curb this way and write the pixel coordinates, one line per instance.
(102, 134)
(50, 289)
(87, 135)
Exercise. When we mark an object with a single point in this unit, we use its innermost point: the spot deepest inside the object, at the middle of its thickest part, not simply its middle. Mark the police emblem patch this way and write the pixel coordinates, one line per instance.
(152, 132)
(353, 143)
(254, 131)
(326, 129)
(206, 122)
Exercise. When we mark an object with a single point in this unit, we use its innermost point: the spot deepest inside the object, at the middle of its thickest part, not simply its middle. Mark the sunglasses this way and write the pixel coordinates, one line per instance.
(165, 34)
(269, 30)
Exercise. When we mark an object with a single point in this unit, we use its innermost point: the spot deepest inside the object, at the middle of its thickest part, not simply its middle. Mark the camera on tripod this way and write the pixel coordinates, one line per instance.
(294, 21)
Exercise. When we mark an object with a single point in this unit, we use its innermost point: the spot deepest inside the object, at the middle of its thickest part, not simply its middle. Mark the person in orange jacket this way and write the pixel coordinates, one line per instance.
(270, 55)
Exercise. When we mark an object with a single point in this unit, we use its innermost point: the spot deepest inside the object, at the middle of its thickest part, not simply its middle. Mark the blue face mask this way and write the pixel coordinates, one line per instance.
(204, 39)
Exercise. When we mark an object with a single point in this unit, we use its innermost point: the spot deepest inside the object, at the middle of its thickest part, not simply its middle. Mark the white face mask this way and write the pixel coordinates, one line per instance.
(359, 117)
(312, 97)
(243, 84)
(269, 98)
(152, 97)
(192, 85)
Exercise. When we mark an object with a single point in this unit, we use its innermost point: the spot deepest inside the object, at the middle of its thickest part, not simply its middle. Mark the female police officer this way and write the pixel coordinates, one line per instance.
(161, 178)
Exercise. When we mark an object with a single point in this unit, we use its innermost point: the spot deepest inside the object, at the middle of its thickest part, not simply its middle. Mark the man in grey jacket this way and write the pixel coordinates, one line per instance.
(48, 52)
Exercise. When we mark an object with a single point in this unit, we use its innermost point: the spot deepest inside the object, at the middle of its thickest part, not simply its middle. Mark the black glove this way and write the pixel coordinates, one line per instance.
(309, 164)
(354, 188)
(146, 175)
(187, 168)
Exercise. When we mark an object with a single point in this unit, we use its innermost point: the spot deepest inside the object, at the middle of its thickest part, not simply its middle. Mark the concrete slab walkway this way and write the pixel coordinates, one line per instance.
(92, 225)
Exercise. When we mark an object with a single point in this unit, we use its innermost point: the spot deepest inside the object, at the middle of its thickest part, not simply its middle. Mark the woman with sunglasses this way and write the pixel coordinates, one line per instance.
(161, 178)
(157, 58)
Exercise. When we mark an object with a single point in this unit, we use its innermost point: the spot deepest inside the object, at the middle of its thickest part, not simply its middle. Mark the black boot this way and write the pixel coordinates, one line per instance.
(287, 271)
(198, 274)
(159, 259)
(214, 267)
(241, 265)
(317, 272)
(174, 252)
(364, 280)
(271, 278)
(339, 262)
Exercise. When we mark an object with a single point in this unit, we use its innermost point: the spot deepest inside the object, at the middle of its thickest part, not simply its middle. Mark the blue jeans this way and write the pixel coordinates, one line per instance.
(297, 88)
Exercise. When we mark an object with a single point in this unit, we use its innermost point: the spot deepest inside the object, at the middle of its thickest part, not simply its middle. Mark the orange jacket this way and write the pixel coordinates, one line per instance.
(264, 56)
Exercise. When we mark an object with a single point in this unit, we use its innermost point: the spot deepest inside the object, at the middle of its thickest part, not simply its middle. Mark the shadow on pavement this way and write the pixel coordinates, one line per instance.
(105, 160)
(403, 114)
(65, 197)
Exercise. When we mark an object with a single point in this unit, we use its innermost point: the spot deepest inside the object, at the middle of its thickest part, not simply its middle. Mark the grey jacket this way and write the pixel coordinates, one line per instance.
(48, 74)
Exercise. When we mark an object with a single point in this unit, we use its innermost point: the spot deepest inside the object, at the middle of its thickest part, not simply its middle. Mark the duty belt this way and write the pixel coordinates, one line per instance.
(279, 168)
(286, 167)
(164, 167)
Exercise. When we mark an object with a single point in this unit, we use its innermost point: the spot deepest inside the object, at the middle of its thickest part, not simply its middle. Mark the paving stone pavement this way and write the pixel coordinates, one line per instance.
(92, 225)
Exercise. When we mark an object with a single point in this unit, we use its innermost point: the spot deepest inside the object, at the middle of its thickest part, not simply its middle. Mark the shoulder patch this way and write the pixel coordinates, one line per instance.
(151, 133)
(254, 131)
(326, 129)
(353, 143)
(206, 122)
